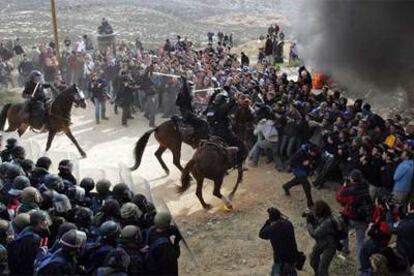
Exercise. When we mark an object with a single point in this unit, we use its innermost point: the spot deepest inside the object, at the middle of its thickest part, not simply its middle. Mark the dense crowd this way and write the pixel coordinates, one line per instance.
(55, 224)
(305, 133)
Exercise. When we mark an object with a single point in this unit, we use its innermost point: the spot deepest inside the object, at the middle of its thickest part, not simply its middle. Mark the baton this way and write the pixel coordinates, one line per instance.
(164, 205)
(35, 89)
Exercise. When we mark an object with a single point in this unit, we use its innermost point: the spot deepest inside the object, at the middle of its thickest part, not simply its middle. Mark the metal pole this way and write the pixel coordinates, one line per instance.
(55, 28)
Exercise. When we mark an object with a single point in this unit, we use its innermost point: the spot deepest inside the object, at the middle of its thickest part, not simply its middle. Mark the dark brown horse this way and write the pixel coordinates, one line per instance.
(209, 161)
(168, 137)
(59, 116)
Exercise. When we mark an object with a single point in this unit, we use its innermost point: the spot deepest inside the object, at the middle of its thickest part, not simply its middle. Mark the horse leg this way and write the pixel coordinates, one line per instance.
(73, 139)
(199, 193)
(217, 193)
(177, 156)
(158, 154)
(22, 129)
(239, 180)
(50, 138)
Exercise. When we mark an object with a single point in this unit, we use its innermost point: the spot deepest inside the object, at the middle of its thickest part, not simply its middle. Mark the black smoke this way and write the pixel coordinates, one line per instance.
(368, 43)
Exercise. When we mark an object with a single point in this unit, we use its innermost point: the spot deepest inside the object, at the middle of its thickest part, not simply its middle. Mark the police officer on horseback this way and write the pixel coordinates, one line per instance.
(184, 103)
(34, 92)
(218, 118)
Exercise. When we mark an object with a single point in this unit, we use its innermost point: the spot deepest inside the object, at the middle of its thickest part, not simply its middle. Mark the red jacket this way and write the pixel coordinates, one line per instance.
(352, 197)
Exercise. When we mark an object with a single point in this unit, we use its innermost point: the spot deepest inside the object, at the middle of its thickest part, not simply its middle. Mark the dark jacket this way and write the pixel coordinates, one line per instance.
(98, 89)
(282, 237)
(22, 252)
(184, 98)
(405, 238)
(323, 232)
(137, 264)
(162, 258)
(60, 264)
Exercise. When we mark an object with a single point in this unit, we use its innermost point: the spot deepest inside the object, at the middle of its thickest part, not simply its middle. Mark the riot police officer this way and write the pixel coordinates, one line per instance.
(34, 91)
(184, 103)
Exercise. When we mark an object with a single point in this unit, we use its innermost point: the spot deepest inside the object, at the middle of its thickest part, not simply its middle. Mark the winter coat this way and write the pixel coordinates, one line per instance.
(323, 232)
(282, 237)
(403, 176)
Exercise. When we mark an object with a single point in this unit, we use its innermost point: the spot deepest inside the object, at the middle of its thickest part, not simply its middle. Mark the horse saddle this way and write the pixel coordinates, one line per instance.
(185, 129)
(230, 153)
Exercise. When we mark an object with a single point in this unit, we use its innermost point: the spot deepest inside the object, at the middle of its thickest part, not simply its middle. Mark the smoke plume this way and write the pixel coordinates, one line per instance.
(360, 42)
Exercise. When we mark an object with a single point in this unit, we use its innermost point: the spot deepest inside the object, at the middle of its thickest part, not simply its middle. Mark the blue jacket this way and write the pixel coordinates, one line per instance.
(403, 176)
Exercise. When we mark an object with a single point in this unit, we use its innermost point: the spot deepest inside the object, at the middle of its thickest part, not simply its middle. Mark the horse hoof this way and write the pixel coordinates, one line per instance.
(83, 155)
(167, 173)
(231, 196)
(207, 206)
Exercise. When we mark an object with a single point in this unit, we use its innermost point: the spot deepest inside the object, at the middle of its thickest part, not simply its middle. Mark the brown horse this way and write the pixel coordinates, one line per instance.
(209, 161)
(59, 116)
(168, 137)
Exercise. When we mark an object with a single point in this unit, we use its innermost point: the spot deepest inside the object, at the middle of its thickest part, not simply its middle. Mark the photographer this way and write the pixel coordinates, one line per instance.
(321, 227)
(281, 234)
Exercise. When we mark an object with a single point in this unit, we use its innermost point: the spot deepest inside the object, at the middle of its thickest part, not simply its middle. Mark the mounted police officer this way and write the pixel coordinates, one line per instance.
(218, 112)
(34, 92)
(184, 103)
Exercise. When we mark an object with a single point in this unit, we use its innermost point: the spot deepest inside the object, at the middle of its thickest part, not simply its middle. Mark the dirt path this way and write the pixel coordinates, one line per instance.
(223, 243)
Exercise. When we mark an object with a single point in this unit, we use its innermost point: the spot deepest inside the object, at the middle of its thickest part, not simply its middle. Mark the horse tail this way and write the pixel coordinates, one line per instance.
(185, 177)
(140, 147)
(3, 116)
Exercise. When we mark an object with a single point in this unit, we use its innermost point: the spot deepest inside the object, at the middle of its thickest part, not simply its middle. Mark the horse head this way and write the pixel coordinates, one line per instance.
(77, 96)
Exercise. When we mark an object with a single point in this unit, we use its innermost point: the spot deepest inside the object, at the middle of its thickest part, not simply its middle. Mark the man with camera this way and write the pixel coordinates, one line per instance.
(321, 227)
(279, 230)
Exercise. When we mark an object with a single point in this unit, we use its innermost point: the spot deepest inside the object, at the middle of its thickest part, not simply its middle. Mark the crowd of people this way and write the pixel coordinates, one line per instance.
(304, 133)
(54, 224)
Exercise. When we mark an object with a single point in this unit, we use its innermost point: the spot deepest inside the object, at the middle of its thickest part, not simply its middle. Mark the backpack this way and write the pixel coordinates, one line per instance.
(362, 208)
(340, 227)
(44, 258)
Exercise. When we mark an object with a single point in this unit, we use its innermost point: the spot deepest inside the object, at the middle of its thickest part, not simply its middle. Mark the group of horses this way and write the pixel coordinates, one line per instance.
(210, 160)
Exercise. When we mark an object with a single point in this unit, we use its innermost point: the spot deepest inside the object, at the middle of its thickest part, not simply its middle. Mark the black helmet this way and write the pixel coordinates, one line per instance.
(111, 208)
(102, 186)
(53, 182)
(76, 193)
(121, 192)
(65, 166)
(61, 203)
(131, 233)
(4, 167)
(27, 165)
(38, 216)
(11, 143)
(88, 184)
(19, 184)
(19, 151)
(73, 239)
(141, 201)
(83, 217)
(109, 229)
(220, 98)
(36, 76)
(13, 172)
(44, 162)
